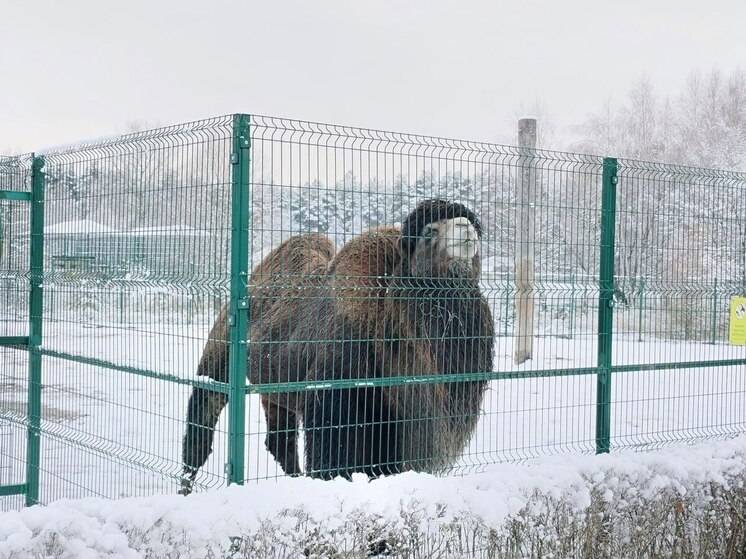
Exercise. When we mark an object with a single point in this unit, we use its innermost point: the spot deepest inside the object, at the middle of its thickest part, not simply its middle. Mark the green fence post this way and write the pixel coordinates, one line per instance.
(714, 324)
(605, 306)
(36, 308)
(239, 302)
(640, 310)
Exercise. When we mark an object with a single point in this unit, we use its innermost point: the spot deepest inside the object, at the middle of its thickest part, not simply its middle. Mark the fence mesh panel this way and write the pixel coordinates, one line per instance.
(341, 181)
(15, 176)
(135, 270)
(383, 301)
(680, 258)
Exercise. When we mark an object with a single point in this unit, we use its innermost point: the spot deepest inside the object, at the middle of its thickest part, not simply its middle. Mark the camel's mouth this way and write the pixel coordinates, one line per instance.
(460, 238)
(461, 268)
(462, 250)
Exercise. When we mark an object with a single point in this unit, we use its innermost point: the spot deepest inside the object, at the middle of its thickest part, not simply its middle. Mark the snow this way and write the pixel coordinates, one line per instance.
(90, 227)
(108, 433)
(165, 230)
(114, 434)
(91, 527)
(78, 227)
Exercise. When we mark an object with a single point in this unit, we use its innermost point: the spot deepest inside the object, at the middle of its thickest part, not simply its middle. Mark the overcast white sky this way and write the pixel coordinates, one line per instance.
(77, 69)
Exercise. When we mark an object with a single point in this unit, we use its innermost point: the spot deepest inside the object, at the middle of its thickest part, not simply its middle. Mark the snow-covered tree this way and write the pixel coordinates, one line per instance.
(678, 227)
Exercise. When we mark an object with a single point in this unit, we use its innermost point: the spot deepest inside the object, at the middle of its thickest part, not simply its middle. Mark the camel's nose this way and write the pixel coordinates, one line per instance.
(466, 233)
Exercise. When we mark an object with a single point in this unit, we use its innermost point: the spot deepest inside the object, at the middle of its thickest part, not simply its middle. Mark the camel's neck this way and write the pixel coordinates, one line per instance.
(447, 314)
(444, 311)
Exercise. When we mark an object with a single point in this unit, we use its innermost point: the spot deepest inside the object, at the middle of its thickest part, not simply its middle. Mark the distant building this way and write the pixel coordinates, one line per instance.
(86, 246)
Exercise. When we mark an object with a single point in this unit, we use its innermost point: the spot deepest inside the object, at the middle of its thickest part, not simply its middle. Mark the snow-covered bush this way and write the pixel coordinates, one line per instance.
(685, 502)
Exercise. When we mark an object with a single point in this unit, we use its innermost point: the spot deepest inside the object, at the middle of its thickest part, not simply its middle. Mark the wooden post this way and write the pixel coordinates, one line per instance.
(525, 236)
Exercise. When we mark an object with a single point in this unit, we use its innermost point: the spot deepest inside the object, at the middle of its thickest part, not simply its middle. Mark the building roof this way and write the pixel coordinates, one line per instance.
(78, 227)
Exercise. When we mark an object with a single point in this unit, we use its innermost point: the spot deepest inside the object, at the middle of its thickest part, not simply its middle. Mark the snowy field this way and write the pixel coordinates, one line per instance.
(112, 434)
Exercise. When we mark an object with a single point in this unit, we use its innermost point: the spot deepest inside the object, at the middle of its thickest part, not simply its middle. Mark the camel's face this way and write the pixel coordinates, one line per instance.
(447, 247)
(458, 238)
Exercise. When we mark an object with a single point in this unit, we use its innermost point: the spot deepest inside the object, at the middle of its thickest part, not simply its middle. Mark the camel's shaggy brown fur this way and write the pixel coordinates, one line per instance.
(284, 279)
(431, 320)
(390, 303)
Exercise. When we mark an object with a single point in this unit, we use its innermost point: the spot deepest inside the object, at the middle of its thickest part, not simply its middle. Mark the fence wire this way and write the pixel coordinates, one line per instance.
(353, 298)
(340, 181)
(15, 178)
(681, 258)
(135, 269)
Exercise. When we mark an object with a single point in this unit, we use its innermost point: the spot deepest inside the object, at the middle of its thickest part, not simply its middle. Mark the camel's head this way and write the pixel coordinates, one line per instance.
(441, 239)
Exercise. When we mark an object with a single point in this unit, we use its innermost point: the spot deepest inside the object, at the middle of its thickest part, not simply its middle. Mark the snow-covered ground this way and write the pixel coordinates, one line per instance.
(113, 434)
(295, 511)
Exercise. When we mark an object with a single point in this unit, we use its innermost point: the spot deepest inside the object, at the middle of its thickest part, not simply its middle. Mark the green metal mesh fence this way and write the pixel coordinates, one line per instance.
(681, 257)
(135, 267)
(302, 277)
(15, 181)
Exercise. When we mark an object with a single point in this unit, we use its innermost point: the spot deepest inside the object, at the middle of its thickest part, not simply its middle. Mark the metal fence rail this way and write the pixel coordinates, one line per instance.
(266, 255)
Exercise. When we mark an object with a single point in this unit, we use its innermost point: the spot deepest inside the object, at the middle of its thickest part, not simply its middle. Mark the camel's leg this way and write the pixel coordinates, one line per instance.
(203, 412)
(282, 431)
